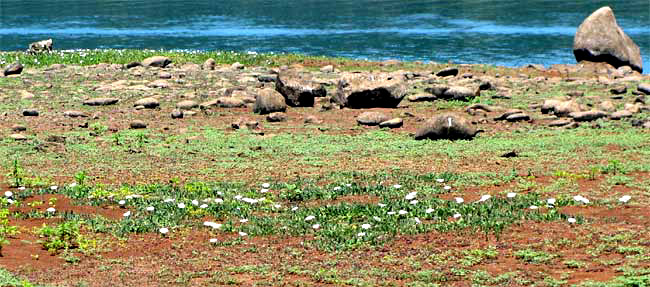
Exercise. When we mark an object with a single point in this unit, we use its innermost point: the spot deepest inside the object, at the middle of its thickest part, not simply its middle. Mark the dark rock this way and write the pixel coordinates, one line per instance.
(393, 123)
(269, 101)
(148, 103)
(644, 88)
(600, 39)
(640, 99)
(446, 126)
(55, 139)
(371, 118)
(177, 114)
(18, 128)
(101, 101)
(510, 154)
(518, 117)
(451, 71)
(618, 90)
(137, 124)
(508, 113)
(30, 113)
(454, 93)
(576, 94)
(267, 78)
(13, 69)
(482, 107)
(277, 117)
(587, 115)
(156, 61)
(133, 65)
(298, 91)
(485, 85)
(370, 91)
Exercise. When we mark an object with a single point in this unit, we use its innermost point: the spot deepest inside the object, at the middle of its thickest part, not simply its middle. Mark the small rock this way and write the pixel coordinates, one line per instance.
(25, 95)
(237, 66)
(618, 90)
(451, 71)
(164, 75)
(510, 154)
(75, 114)
(149, 103)
(508, 113)
(607, 106)
(620, 115)
(277, 117)
(485, 85)
(454, 93)
(587, 116)
(156, 61)
(18, 128)
(226, 102)
(30, 113)
(421, 97)
(187, 105)
(133, 65)
(371, 118)
(18, 137)
(327, 69)
(137, 124)
(446, 126)
(177, 114)
(644, 88)
(393, 123)
(252, 125)
(160, 84)
(101, 101)
(559, 123)
(633, 108)
(640, 99)
(482, 107)
(518, 117)
(13, 69)
(576, 94)
(467, 76)
(209, 64)
(312, 120)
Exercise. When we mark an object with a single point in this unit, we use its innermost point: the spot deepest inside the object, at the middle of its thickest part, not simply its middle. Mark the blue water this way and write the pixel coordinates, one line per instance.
(510, 33)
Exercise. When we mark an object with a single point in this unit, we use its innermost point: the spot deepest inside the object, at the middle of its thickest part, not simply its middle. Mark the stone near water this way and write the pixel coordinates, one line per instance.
(446, 72)
(269, 101)
(13, 69)
(237, 66)
(230, 102)
(133, 65)
(644, 88)
(298, 90)
(156, 61)
(607, 106)
(101, 101)
(209, 64)
(600, 39)
(446, 126)
(371, 118)
(369, 91)
(457, 93)
(30, 113)
(392, 123)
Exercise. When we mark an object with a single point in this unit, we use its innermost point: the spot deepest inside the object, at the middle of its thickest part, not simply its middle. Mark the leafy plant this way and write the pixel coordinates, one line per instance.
(61, 237)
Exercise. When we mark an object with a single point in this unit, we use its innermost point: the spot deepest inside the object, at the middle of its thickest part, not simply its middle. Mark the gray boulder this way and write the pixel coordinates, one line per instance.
(156, 61)
(149, 103)
(187, 105)
(13, 69)
(101, 101)
(372, 118)
(393, 123)
(587, 116)
(364, 91)
(299, 90)
(269, 101)
(644, 88)
(446, 126)
(454, 93)
(600, 39)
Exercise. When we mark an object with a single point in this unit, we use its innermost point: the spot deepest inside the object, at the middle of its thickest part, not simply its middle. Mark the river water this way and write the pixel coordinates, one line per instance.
(503, 32)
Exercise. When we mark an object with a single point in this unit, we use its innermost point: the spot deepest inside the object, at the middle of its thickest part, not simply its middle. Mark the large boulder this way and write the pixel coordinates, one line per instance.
(363, 91)
(299, 90)
(372, 118)
(446, 126)
(13, 69)
(269, 101)
(156, 61)
(600, 39)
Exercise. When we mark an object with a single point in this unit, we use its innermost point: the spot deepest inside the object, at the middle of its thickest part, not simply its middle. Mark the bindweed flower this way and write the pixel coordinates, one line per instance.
(241, 233)
(168, 200)
(315, 226)
(397, 186)
(50, 210)
(625, 198)
(243, 220)
(511, 195)
(203, 206)
(402, 212)
(381, 204)
(127, 214)
(337, 188)
(459, 200)
(21, 188)
(429, 210)
(414, 202)
(9, 194)
(72, 184)
(163, 230)
(195, 202)
(447, 187)
(266, 185)
(376, 218)
(150, 208)
(214, 240)
(440, 180)
(571, 220)
(361, 234)
(581, 198)
(391, 213)
(411, 195)
(212, 224)
(121, 202)
(264, 190)
(417, 220)
(277, 205)
(218, 200)
(484, 198)
(294, 208)
(181, 205)
(54, 187)
(365, 226)
(310, 217)
(10, 201)
(457, 215)
(238, 197)
(348, 184)
(551, 201)
(533, 207)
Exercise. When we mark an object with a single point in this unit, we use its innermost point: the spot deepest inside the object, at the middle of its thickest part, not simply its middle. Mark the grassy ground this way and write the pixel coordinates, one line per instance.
(296, 204)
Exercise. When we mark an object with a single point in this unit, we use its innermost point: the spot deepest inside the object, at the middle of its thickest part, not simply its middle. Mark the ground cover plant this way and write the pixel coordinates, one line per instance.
(206, 200)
